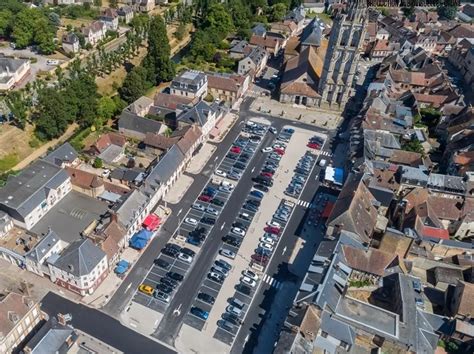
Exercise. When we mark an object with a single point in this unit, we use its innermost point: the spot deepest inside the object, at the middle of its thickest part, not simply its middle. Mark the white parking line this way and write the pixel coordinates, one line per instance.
(199, 318)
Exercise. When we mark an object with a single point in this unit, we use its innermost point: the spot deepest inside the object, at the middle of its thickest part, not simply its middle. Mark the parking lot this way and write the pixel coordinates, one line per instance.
(196, 224)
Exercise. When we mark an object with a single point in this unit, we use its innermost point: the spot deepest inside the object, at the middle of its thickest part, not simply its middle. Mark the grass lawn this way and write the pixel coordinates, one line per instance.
(8, 161)
(322, 16)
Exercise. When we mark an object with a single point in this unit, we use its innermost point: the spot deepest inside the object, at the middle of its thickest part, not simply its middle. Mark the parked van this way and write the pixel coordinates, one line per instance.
(322, 162)
(52, 62)
(236, 302)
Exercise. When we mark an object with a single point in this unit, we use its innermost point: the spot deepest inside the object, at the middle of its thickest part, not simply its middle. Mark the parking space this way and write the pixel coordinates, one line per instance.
(194, 227)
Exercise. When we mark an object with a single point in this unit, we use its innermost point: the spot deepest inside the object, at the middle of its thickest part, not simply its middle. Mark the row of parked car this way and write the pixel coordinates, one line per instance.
(302, 170)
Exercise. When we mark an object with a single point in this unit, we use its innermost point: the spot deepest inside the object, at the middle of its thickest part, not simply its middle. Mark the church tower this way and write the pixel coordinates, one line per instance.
(342, 56)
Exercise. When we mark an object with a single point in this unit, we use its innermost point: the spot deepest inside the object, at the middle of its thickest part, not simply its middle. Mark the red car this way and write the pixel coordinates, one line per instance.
(205, 198)
(263, 260)
(235, 149)
(280, 152)
(272, 230)
(266, 174)
(314, 146)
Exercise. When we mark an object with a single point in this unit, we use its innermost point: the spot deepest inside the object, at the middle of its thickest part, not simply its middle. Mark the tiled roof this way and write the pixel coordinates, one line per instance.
(229, 83)
(190, 137)
(13, 303)
(369, 261)
(84, 179)
(109, 139)
(168, 101)
(159, 141)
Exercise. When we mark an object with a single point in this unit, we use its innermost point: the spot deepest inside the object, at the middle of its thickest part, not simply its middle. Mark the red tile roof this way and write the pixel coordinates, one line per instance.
(428, 231)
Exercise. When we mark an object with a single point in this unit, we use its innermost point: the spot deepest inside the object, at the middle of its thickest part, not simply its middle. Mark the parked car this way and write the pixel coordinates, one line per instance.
(265, 246)
(146, 289)
(198, 206)
(161, 296)
(249, 282)
(240, 225)
(261, 187)
(175, 276)
(249, 274)
(212, 211)
(221, 173)
(206, 298)
(207, 220)
(169, 282)
(185, 258)
(164, 288)
(227, 253)
(162, 263)
(223, 264)
(214, 276)
(231, 240)
(205, 198)
(187, 251)
(199, 312)
(217, 202)
(191, 221)
(267, 149)
(238, 231)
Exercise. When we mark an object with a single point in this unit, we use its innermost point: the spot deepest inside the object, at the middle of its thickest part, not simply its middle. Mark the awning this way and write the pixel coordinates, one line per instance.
(144, 234)
(122, 267)
(334, 175)
(152, 222)
(327, 210)
(339, 175)
(137, 242)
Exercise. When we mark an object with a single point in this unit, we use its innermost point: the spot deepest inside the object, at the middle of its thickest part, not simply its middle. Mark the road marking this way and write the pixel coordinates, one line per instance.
(177, 311)
(246, 338)
(284, 250)
(180, 210)
(253, 169)
(128, 287)
(215, 158)
(133, 325)
(223, 224)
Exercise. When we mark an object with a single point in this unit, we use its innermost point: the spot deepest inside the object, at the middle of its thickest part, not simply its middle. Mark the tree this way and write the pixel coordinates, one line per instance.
(23, 29)
(408, 12)
(135, 84)
(17, 104)
(277, 12)
(53, 114)
(113, 4)
(98, 3)
(202, 47)
(5, 22)
(447, 12)
(98, 163)
(180, 31)
(31, 26)
(414, 145)
(218, 21)
(157, 61)
(106, 108)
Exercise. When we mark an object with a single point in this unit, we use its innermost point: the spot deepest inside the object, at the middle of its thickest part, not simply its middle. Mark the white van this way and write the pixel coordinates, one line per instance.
(227, 184)
(322, 162)
(52, 62)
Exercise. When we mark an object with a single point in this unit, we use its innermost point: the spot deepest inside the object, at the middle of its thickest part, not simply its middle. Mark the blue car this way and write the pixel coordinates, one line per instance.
(289, 130)
(193, 241)
(256, 194)
(210, 191)
(196, 311)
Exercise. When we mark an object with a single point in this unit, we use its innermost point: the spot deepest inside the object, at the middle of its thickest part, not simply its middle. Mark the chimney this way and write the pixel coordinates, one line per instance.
(61, 319)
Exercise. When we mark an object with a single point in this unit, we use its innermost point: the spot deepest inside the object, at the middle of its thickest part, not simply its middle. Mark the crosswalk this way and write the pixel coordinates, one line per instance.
(272, 281)
(325, 153)
(303, 203)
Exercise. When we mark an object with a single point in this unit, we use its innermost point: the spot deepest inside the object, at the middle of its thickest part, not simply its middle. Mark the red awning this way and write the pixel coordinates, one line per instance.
(327, 210)
(151, 222)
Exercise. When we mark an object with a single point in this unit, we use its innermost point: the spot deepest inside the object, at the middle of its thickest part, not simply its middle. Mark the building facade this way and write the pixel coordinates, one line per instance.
(342, 56)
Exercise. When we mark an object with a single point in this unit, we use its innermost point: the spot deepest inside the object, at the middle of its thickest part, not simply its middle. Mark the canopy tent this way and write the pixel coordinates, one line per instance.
(327, 210)
(152, 222)
(122, 267)
(145, 234)
(137, 242)
(334, 175)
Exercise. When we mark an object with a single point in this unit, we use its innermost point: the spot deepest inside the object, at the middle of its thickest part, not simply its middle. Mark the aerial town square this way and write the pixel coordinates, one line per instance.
(236, 176)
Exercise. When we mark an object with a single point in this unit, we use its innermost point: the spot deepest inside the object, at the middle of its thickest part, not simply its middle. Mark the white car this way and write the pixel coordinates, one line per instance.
(238, 231)
(185, 258)
(227, 253)
(212, 211)
(220, 173)
(265, 246)
(249, 274)
(191, 221)
(268, 240)
(273, 224)
(225, 189)
(271, 236)
(247, 281)
(279, 146)
(267, 149)
(198, 206)
(273, 130)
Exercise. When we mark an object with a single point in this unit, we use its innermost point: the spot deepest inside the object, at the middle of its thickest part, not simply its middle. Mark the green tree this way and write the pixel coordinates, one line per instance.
(135, 84)
(23, 29)
(81, 95)
(17, 104)
(157, 61)
(202, 47)
(277, 12)
(98, 163)
(5, 22)
(53, 114)
(106, 108)
(98, 3)
(180, 31)
(218, 21)
(446, 11)
(414, 145)
(113, 4)
(408, 11)
(14, 6)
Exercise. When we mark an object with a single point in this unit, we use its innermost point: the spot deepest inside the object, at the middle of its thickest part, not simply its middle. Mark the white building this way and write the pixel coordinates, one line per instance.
(94, 33)
(12, 71)
(191, 84)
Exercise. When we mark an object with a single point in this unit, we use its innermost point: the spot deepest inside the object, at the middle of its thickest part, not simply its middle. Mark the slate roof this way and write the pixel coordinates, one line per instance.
(9, 65)
(259, 29)
(198, 114)
(126, 174)
(133, 122)
(134, 202)
(63, 154)
(52, 337)
(167, 165)
(70, 38)
(50, 240)
(80, 258)
(140, 104)
(25, 191)
(312, 33)
(370, 261)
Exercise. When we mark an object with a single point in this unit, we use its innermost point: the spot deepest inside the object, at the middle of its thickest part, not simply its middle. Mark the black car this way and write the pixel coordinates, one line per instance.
(207, 220)
(232, 318)
(173, 246)
(250, 207)
(261, 187)
(254, 202)
(217, 202)
(169, 282)
(223, 264)
(301, 171)
(170, 252)
(243, 159)
(231, 240)
(162, 263)
(175, 276)
(188, 252)
(245, 155)
(197, 236)
(244, 289)
(206, 298)
(268, 169)
(164, 288)
(239, 165)
(232, 156)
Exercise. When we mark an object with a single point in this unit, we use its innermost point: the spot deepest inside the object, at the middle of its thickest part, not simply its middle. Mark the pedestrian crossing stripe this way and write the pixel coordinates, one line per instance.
(272, 281)
(303, 203)
(325, 153)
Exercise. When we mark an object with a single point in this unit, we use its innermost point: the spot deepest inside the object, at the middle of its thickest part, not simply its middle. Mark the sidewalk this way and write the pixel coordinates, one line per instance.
(225, 125)
(198, 162)
(140, 318)
(178, 190)
(317, 117)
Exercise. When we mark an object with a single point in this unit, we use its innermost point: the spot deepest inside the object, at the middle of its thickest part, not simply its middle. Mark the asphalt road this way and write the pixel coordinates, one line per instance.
(103, 327)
